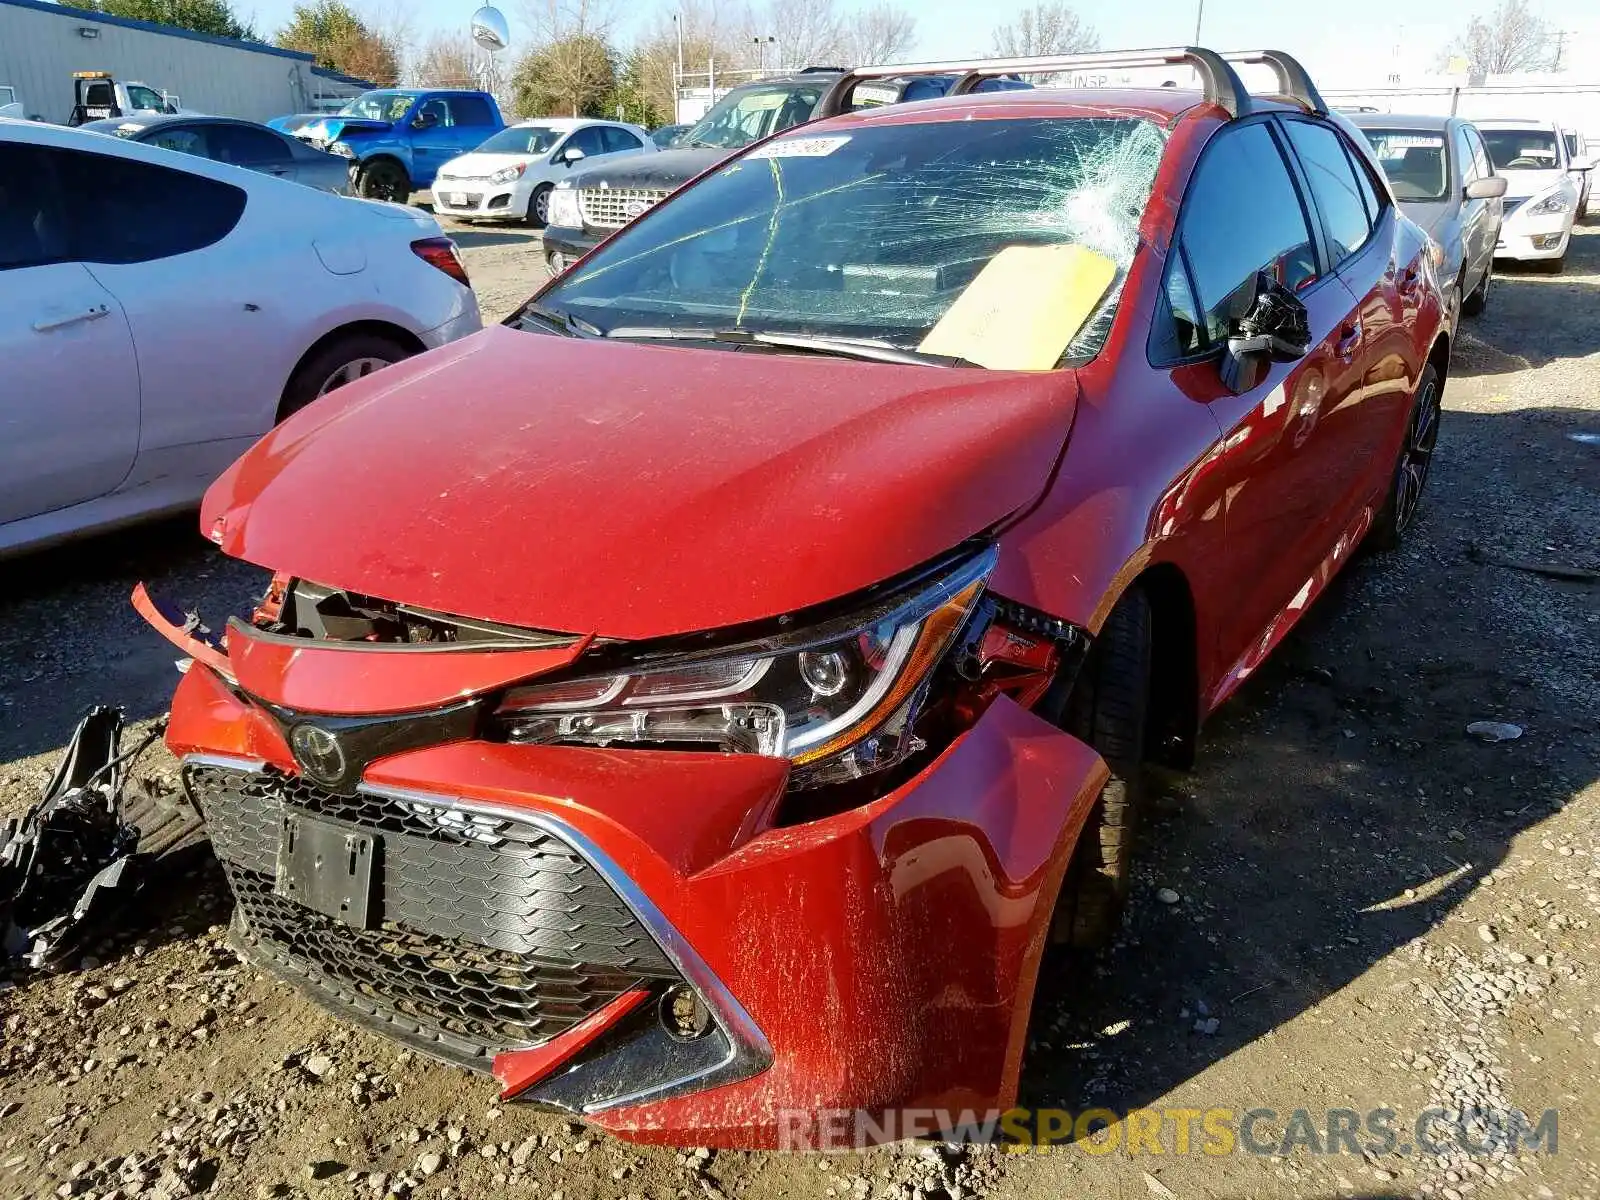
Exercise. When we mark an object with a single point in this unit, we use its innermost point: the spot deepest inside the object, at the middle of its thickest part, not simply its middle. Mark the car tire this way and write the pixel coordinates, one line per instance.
(1106, 709)
(384, 179)
(1478, 299)
(352, 356)
(1412, 465)
(538, 214)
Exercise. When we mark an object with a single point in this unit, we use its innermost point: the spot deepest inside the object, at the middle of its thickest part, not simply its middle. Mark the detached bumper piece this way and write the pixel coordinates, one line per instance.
(478, 937)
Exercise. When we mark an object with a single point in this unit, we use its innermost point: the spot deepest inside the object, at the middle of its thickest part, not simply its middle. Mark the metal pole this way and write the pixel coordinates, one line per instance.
(677, 74)
(1199, 15)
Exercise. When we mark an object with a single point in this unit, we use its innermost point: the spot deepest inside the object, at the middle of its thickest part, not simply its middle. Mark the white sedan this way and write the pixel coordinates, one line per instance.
(1541, 201)
(160, 312)
(511, 174)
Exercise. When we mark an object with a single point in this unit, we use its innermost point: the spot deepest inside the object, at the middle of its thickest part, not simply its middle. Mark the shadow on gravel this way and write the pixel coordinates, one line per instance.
(1529, 321)
(1341, 776)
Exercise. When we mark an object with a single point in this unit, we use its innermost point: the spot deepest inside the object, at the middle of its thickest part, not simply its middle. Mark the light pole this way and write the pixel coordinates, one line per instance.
(1199, 15)
(761, 50)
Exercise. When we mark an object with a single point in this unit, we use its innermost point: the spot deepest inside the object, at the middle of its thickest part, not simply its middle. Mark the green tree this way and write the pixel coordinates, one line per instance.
(341, 41)
(630, 100)
(572, 76)
(215, 17)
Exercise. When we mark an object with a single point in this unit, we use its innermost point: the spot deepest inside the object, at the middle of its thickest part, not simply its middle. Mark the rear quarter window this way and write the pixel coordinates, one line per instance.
(123, 211)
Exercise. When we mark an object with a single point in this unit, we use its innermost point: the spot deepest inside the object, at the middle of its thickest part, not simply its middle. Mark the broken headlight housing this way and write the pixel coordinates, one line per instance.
(838, 699)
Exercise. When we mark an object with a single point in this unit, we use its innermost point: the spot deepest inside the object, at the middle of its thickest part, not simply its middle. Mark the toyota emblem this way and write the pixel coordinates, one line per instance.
(318, 752)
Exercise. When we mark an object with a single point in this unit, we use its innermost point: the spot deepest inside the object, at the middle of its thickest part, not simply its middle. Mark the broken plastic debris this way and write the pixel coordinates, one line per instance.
(1023, 309)
(1494, 731)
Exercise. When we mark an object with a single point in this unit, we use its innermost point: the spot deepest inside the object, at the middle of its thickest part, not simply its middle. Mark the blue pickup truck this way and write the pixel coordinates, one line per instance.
(397, 138)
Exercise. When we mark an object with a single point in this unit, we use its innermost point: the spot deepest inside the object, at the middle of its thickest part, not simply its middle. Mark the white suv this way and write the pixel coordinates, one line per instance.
(1541, 200)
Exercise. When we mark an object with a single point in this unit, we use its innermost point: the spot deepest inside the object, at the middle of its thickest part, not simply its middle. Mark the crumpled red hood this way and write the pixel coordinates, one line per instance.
(634, 490)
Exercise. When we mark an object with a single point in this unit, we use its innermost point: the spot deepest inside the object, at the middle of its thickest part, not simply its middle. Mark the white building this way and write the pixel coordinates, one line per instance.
(42, 44)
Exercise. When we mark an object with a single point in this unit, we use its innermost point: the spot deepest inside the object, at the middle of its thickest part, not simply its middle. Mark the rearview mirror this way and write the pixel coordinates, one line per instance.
(1489, 187)
(1272, 329)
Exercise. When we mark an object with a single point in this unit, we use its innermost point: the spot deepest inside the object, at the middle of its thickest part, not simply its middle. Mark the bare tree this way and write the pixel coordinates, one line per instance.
(809, 33)
(1049, 27)
(448, 60)
(708, 35)
(1511, 38)
(570, 67)
(879, 34)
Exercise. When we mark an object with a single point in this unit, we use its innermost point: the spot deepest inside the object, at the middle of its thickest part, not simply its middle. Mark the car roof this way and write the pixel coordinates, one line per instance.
(1514, 123)
(1162, 105)
(1431, 122)
(151, 120)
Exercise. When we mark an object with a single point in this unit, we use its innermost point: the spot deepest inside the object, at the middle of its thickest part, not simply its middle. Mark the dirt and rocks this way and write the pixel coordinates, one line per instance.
(1350, 904)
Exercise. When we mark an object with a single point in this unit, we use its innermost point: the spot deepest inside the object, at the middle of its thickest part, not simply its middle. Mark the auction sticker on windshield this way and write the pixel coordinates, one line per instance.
(811, 147)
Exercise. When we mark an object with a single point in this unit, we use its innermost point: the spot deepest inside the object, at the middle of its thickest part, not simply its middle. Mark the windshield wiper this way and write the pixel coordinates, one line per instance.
(867, 349)
(562, 322)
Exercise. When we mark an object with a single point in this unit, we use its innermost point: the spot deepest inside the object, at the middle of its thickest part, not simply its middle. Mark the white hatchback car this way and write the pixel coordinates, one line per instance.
(159, 312)
(511, 174)
(1541, 200)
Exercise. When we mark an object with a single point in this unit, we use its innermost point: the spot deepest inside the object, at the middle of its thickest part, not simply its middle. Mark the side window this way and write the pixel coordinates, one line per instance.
(122, 211)
(31, 229)
(619, 140)
(588, 140)
(145, 99)
(1333, 184)
(436, 108)
(185, 139)
(246, 146)
(1370, 196)
(1242, 215)
(1188, 323)
(1480, 153)
(470, 110)
(1461, 147)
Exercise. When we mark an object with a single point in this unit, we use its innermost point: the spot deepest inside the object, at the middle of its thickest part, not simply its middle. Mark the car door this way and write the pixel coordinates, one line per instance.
(253, 148)
(69, 385)
(618, 141)
(1492, 210)
(586, 141)
(1273, 471)
(459, 124)
(199, 307)
(471, 121)
(1359, 233)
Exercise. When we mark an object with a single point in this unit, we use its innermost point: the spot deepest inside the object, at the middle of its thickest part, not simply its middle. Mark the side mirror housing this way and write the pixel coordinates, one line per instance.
(1489, 187)
(1581, 163)
(1272, 329)
(572, 155)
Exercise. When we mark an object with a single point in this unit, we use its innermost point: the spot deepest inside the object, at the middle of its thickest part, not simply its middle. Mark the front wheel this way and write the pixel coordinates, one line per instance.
(1106, 709)
(384, 179)
(539, 207)
(1399, 511)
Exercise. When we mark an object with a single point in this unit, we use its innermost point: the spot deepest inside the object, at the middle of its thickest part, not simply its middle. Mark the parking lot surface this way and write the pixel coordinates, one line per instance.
(1349, 904)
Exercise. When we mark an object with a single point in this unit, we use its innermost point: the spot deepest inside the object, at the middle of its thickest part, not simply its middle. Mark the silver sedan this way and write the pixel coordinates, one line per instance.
(241, 143)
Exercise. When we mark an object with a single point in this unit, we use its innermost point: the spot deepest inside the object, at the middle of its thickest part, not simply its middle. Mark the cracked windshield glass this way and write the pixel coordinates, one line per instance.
(874, 233)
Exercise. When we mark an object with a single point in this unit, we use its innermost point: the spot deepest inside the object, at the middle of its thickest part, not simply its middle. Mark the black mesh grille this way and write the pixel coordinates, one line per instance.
(493, 933)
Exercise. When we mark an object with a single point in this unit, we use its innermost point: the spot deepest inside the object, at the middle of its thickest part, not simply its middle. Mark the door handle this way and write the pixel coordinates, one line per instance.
(1349, 339)
(46, 324)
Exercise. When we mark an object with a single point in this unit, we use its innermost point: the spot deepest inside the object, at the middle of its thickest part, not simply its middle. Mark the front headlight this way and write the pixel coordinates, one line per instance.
(564, 207)
(838, 700)
(507, 174)
(341, 149)
(1555, 202)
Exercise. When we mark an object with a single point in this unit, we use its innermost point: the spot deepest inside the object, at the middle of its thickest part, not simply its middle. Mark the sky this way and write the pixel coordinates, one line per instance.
(1343, 42)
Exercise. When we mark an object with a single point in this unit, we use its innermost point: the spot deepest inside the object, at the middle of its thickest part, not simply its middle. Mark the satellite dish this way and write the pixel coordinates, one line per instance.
(489, 29)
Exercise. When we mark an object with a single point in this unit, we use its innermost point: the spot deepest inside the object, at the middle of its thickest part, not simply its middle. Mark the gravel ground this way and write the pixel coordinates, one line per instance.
(1349, 904)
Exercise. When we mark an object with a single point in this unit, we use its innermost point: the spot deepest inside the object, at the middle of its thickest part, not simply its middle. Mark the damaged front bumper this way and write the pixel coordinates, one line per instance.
(642, 937)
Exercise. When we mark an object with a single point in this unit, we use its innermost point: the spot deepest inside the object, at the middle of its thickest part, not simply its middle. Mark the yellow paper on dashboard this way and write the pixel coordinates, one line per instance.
(1024, 308)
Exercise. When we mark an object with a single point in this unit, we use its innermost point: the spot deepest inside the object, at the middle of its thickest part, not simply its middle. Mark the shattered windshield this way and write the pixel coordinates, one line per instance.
(379, 106)
(877, 232)
(745, 114)
(522, 139)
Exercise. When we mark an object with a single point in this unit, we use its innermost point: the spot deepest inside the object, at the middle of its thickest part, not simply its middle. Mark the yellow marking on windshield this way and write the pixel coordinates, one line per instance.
(766, 250)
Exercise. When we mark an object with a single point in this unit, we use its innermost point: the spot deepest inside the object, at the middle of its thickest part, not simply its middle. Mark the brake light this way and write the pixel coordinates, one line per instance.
(441, 252)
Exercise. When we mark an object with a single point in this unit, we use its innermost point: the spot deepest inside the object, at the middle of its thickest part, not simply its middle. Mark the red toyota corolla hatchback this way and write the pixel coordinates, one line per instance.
(708, 693)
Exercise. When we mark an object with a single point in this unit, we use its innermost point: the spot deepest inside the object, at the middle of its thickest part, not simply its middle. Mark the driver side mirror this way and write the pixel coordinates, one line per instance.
(1581, 164)
(424, 120)
(1272, 329)
(571, 155)
(1488, 187)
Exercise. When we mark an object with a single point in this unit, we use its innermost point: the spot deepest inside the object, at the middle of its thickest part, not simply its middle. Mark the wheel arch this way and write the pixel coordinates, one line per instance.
(1173, 719)
(398, 334)
(1439, 355)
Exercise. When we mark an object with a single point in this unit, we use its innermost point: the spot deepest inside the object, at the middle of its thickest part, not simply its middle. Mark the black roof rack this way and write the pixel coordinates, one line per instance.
(1219, 82)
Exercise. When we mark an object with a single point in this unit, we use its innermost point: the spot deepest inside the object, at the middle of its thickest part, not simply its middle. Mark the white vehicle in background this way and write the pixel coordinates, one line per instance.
(511, 174)
(159, 312)
(1581, 165)
(1541, 200)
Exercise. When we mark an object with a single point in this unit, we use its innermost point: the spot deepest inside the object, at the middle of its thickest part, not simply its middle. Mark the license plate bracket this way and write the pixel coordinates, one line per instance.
(326, 867)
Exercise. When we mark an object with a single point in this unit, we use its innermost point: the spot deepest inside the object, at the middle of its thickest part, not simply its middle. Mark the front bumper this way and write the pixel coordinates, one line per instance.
(478, 199)
(1535, 238)
(879, 959)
